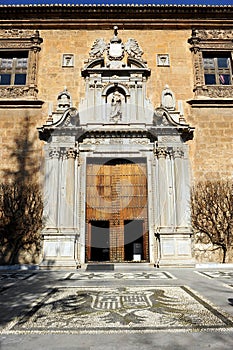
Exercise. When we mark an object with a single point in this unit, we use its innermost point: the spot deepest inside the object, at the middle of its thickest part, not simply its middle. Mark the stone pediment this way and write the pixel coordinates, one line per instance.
(64, 122)
(162, 118)
(170, 123)
(69, 118)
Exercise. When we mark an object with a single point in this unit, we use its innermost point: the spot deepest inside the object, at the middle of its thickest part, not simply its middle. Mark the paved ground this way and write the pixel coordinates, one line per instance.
(136, 307)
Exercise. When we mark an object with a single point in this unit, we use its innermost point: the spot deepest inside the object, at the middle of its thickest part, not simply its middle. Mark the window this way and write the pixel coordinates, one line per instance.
(212, 51)
(13, 68)
(19, 57)
(217, 69)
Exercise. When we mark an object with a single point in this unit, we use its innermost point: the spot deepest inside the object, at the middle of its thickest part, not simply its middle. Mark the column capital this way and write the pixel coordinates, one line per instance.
(71, 153)
(178, 152)
(54, 153)
(161, 152)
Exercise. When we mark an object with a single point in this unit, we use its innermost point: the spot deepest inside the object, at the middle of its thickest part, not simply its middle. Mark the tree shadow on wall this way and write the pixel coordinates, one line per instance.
(21, 206)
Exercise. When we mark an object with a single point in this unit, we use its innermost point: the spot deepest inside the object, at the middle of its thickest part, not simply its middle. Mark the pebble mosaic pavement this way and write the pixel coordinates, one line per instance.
(217, 274)
(124, 309)
(119, 276)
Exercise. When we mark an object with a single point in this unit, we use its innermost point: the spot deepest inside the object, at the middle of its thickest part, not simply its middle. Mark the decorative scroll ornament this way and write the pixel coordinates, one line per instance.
(98, 48)
(133, 49)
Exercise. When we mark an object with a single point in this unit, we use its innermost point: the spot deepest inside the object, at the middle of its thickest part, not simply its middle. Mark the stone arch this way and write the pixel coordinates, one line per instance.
(109, 89)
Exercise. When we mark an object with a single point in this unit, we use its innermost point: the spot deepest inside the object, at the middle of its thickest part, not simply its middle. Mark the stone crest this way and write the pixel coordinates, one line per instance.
(115, 49)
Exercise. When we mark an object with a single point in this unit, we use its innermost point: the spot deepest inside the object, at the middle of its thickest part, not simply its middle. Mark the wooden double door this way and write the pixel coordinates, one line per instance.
(116, 210)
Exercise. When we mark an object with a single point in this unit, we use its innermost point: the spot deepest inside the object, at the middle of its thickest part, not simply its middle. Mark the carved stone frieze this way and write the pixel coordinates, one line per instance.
(169, 138)
(15, 45)
(92, 141)
(15, 33)
(143, 141)
(12, 92)
(214, 33)
(62, 139)
(220, 91)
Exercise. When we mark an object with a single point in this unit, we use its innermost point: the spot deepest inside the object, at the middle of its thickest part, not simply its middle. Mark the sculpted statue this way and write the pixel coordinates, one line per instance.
(133, 49)
(168, 99)
(98, 48)
(116, 113)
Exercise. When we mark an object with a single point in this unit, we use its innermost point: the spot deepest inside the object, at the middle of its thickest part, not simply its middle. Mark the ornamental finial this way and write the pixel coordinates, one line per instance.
(115, 28)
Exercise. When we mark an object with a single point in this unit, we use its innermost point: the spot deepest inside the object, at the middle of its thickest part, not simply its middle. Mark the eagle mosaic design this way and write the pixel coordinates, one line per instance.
(80, 310)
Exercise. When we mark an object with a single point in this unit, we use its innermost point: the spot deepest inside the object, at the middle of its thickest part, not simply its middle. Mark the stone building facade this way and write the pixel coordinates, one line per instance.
(117, 111)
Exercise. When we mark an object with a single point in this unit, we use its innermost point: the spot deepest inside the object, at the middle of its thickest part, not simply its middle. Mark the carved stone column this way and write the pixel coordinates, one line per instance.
(51, 186)
(162, 155)
(179, 181)
(68, 204)
(60, 234)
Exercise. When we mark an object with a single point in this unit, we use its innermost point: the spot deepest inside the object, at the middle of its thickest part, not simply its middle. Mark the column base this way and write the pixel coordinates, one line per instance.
(60, 250)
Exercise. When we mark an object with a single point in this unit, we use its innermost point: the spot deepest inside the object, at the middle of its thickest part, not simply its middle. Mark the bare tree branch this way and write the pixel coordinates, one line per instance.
(21, 211)
(212, 212)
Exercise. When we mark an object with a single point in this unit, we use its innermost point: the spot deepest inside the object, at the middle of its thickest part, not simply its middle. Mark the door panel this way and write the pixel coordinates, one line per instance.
(99, 240)
(116, 192)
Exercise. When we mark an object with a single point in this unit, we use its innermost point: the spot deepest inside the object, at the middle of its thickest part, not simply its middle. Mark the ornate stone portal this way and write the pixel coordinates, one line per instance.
(116, 170)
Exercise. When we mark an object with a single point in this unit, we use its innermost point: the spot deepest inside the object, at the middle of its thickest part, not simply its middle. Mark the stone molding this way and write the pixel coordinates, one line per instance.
(131, 16)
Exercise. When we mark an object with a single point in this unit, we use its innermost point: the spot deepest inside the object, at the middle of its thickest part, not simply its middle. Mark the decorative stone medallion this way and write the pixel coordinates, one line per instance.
(122, 309)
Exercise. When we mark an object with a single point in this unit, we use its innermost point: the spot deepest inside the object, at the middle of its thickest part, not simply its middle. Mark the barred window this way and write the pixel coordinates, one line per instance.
(217, 69)
(13, 68)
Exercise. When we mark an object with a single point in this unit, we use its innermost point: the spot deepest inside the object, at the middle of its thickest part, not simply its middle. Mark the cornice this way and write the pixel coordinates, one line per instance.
(124, 15)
